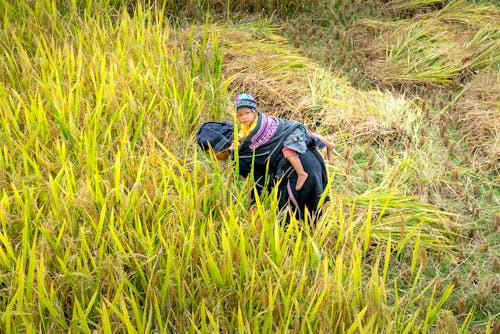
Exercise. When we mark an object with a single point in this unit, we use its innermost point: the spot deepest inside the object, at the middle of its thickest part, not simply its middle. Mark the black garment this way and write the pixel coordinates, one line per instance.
(268, 160)
(312, 190)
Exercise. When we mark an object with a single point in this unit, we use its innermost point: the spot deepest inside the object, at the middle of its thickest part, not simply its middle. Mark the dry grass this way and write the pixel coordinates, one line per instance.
(478, 115)
(287, 84)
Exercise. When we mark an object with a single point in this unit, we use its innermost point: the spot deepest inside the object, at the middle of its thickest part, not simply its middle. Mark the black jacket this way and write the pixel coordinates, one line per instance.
(262, 150)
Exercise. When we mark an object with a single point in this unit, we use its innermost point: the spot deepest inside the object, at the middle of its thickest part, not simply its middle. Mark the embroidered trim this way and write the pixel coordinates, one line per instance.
(268, 128)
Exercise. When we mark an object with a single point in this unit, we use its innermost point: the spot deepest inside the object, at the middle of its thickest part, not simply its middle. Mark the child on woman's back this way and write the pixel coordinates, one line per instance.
(295, 143)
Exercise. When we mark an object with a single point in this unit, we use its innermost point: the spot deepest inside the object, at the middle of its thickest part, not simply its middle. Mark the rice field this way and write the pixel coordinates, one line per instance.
(112, 219)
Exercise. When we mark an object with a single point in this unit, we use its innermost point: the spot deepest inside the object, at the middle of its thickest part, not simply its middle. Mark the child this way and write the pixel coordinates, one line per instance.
(247, 116)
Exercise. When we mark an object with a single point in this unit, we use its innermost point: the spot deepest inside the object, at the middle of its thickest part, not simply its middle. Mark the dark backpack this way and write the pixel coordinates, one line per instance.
(215, 135)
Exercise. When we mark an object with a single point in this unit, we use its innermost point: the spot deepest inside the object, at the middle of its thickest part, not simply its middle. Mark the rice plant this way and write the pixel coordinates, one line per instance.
(112, 220)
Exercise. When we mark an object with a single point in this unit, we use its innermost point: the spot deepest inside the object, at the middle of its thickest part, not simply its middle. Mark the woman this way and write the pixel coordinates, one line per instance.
(262, 150)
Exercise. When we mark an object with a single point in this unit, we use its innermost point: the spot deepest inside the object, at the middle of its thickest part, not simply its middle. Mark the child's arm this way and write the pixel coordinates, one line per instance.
(329, 145)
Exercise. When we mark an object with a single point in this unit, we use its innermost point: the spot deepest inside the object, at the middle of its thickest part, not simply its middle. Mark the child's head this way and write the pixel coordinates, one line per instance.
(246, 108)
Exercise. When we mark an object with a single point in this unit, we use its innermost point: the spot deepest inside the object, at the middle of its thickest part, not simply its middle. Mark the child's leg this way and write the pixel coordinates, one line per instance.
(294, 160)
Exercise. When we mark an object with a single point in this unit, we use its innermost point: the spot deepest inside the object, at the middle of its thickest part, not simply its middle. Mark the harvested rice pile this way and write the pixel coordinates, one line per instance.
(289, 85)
(439, 46)
(434, 47)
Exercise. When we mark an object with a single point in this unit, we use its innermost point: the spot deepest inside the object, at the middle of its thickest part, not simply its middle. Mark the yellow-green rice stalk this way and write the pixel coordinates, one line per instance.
(111, 219)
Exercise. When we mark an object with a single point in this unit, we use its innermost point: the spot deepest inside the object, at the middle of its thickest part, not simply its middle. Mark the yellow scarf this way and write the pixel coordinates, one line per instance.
(246, 129)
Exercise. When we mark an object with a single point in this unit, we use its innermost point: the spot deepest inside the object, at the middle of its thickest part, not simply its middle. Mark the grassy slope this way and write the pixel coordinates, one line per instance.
(97, 137)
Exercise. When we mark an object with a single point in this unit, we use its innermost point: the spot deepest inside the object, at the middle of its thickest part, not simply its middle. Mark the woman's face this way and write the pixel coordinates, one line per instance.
(220, 155)
(245, 115)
